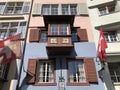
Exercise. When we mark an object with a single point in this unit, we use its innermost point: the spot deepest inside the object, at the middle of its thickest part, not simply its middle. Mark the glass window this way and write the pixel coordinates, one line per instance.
(74, 36)
(107, 9)
(73, 9)
(54, 10)
(26, 7)
(54, 29)
(2, 6)
(63, 29)
(43, 36)
(111, 36)
(3, 34)
(12, 33)
(65, 9)
(114, 69)
(76, 71)
(46, 10)
(17, 7)
(45, 71)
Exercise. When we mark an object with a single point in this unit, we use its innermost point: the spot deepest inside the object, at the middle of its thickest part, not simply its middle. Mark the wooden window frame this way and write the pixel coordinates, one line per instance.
(76, 83)
(89, 77)
(58, 27)
(35, 83)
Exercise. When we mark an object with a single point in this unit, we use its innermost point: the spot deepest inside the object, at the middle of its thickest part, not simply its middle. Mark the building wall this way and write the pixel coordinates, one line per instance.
(81, 50)
(13, 72)
(88, 52)
(107, 23)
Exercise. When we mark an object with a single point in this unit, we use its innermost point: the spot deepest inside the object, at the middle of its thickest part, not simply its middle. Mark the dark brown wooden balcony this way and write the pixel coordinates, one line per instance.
(59, 45)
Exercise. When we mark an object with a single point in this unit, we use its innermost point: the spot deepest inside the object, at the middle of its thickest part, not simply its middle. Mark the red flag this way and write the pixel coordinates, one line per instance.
(9, 48)
(102, 45)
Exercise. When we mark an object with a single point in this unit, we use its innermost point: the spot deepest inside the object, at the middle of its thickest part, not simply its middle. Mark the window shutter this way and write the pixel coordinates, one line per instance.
(30, 78)
(82, 9)
(34, 35)
(37, 9)
(82, 34)
(91, 70)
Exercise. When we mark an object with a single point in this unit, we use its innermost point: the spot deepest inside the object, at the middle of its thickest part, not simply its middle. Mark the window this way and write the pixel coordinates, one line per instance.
(2, 6)
(43, 36)
(14, 7)
(114, 69)
(111, 36)
(74, 36)
(73, 9)
(107, 9)
(54, 10)
(12, 28)
(63, 29)
(76, 71)
(59, 29)
(4, 71)
(46, 10)
(65, 10)
(45, 72)
(26, 7)
(54, 29)
(50, 10)
(69, 9)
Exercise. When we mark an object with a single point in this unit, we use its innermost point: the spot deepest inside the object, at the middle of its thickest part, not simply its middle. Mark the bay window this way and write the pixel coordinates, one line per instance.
(59, 29)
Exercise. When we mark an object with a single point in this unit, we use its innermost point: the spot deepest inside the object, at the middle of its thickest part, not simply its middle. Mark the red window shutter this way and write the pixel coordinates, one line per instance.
(82, 34)
(30, 78)
(90, 70)
(34, 35)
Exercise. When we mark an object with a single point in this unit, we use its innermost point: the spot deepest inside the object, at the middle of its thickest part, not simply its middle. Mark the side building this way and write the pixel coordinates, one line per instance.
(106, 14)
(13, 20)
(60, 52)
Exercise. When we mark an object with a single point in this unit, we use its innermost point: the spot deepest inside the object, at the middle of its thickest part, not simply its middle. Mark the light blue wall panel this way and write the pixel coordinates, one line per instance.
(38, 50)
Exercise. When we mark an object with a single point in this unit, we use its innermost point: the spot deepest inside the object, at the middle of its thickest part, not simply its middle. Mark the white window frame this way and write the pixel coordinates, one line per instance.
(67, 9)
(45, 71)
(111, 36)
(10, 27)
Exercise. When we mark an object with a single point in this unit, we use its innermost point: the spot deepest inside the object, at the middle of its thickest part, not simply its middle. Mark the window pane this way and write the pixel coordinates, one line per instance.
(3, 34)
(74, 36)
(76, 71)
(54, 10)
(2, 5)
(45, 71)
(103, 10)
(46, 10)
(73, 9)
(63, 29)
(12, 33)
(65, 10)
(26, 7)
(54, 29)
(43, 36)
(111, 36)
(114, 69)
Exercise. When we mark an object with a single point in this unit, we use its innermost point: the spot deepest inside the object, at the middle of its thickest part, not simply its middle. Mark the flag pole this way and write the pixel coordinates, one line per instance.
(102, 45)
(24, 48)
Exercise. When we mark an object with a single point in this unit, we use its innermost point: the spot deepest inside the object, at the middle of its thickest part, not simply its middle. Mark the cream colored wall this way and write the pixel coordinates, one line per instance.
(58, 1)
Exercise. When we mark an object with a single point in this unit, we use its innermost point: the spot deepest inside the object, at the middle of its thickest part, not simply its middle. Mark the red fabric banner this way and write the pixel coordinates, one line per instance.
(102, 45)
